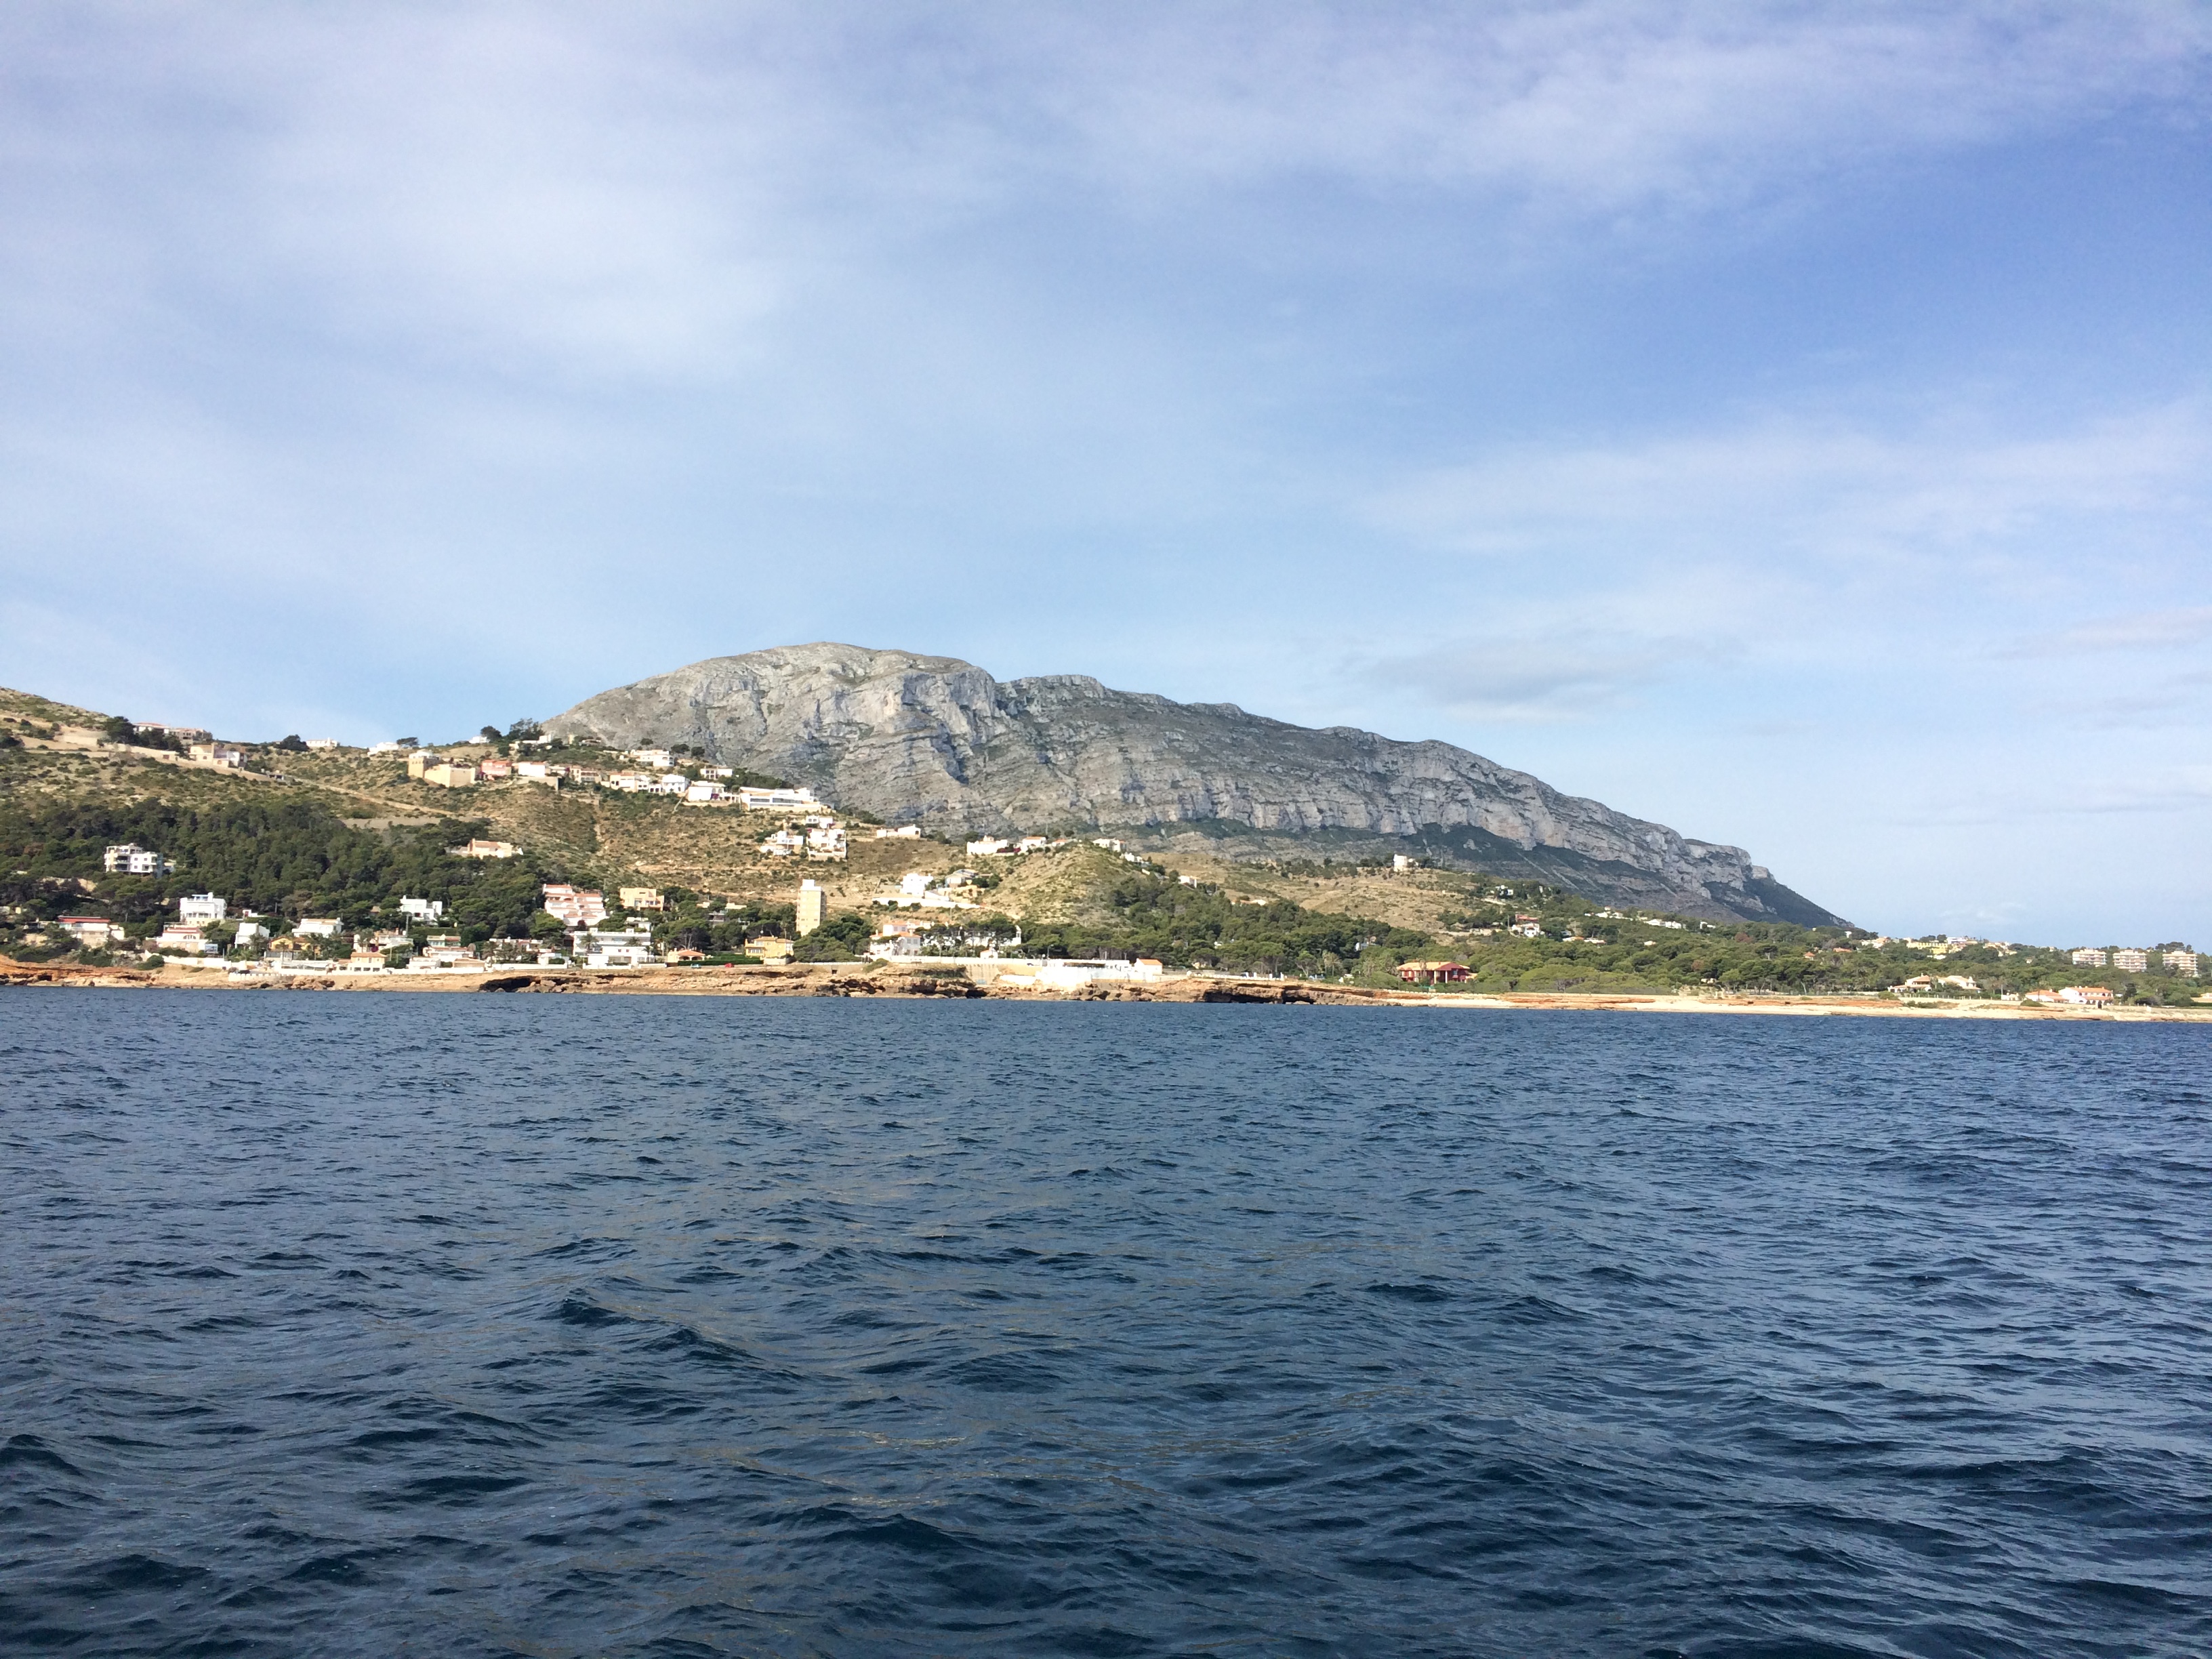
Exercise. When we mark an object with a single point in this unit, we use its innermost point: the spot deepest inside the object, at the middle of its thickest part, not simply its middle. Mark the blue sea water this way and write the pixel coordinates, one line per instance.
(559, 1326)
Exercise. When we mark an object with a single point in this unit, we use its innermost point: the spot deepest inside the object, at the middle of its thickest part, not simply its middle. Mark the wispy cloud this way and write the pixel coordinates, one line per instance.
(1562, 675)
(1789, 487)
(2144, 630)
(575, 189)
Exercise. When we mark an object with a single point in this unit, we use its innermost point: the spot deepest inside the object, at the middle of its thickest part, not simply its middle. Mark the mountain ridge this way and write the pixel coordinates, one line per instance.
(910, 737)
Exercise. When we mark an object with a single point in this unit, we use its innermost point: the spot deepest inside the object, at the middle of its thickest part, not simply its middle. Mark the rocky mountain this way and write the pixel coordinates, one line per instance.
(940, 742)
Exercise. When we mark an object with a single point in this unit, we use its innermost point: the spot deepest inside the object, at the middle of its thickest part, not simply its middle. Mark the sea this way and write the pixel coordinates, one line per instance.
(566, 1326)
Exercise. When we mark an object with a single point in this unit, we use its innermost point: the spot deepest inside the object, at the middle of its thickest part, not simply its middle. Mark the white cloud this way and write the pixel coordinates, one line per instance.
(1793, 489)
(582, 190)
(1596, 106)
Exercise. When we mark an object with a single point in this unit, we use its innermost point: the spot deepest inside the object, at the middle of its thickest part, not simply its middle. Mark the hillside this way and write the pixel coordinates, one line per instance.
(940, 742)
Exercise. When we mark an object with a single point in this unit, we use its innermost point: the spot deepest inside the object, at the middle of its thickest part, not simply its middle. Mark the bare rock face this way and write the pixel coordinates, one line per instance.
(938, 741)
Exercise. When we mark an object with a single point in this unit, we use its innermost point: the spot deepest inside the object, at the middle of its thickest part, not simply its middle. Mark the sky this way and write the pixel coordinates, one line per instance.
(1791, 423)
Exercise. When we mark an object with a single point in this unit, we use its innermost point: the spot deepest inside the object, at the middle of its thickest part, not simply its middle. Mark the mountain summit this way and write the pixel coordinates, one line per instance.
(940, 742)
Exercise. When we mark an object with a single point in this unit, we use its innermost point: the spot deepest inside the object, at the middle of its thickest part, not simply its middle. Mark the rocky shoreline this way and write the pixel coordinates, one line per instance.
(858, 980)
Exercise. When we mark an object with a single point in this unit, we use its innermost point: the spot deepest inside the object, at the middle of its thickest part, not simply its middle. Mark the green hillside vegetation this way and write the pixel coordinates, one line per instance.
(1153, 915)
(283, 858)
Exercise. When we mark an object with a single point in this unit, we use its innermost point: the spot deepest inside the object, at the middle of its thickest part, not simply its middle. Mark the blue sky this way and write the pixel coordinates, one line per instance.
(1790, 423)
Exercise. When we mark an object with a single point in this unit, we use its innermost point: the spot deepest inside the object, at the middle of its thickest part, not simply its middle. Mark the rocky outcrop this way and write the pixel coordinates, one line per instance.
(939, 741)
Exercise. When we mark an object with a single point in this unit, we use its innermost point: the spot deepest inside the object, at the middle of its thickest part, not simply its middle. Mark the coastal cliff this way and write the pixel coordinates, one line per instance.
(940, 742)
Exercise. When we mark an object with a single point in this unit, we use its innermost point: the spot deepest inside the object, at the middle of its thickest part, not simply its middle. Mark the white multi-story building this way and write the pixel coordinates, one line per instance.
(660, 759)
(130, 859)
(987, 846)
(2088, 956)
(202, 907)
(2133, 961)
(777, 800)
(578, 907)
(322, 742)
(422, 909)
(2182, 961)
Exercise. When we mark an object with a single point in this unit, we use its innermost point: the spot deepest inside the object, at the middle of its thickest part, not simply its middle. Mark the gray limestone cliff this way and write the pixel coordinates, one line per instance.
(938, 741)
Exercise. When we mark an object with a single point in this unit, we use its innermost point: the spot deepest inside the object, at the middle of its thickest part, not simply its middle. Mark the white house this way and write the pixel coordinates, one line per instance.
(130, 859)
(316, 928)
(322, 742)
(202, 907)
(91, 931)
(777, 800)
(904, 832)
(578, 907)
(422, 909)
(986, 847)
